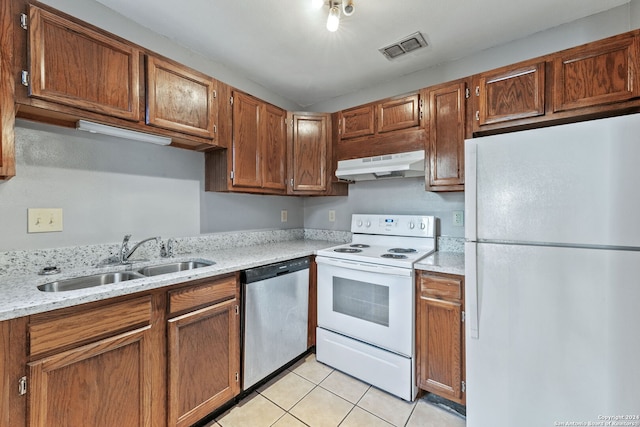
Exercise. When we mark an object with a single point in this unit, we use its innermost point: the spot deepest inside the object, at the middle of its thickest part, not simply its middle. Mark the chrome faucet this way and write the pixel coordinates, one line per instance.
(125, 252)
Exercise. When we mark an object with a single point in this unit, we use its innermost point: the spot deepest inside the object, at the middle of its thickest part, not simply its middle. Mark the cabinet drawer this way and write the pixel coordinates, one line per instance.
(443, 287)
(51, 331)
(194, 296)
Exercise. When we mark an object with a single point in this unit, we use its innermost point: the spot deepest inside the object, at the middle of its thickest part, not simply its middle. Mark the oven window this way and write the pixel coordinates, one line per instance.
(365, 301)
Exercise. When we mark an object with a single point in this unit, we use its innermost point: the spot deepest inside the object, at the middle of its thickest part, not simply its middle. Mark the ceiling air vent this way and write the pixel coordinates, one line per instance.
(408, 44)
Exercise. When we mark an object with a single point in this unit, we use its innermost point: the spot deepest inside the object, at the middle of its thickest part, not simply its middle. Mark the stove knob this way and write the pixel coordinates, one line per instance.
(411, 225)
(359, 223)
(422, 226)
(368, 224)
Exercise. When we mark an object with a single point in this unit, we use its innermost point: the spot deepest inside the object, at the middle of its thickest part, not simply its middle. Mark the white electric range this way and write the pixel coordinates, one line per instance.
(366, 300)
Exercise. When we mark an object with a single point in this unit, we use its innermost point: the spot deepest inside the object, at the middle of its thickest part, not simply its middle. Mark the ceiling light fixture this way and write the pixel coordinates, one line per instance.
(121, 133)
(336, 8)
(333, 21)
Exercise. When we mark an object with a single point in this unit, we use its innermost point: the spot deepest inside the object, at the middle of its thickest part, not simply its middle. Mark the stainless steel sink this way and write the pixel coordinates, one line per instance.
(89, 281)
(173, 267)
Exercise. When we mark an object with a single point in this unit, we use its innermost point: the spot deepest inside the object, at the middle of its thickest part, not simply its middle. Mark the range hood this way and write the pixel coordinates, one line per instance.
(401, 165)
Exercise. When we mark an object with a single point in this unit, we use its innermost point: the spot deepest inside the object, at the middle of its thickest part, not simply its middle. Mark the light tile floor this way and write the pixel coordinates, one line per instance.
(315, 395)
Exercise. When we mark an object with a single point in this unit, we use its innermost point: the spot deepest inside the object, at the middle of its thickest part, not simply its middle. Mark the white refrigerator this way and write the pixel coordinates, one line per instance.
(552, 264)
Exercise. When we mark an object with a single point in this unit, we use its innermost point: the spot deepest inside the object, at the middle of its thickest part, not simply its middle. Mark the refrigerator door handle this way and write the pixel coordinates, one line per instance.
(471, 289)
(470, 191)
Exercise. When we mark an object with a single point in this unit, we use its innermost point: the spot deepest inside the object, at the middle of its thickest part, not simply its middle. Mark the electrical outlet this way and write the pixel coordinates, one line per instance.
(283, 216)
(332, 215)
(458, 218)
(44, 220)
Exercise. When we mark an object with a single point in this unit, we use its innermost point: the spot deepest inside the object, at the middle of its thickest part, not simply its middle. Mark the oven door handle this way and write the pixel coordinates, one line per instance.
(372, 268)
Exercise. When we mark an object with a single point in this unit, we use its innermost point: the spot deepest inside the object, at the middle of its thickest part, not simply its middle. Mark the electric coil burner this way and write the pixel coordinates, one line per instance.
(366, 300)
(402, 250)
(347, 250)
(394, 256)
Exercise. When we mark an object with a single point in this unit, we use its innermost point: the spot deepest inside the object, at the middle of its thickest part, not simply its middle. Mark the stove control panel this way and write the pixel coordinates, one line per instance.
(394, 225)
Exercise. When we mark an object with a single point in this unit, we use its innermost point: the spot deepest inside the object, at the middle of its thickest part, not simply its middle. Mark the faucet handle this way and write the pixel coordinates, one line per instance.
(166, 251)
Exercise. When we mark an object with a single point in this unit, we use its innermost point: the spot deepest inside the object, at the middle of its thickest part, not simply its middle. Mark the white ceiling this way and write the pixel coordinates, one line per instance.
(285, 47)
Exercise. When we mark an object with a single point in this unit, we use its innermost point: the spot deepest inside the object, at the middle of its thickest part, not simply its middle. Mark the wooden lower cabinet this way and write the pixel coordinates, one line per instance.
(204, 361)
(440, 335)
(106, 383)
(168, 357)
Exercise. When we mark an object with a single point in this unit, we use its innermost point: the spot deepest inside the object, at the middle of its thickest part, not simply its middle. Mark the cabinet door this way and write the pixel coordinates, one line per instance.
(204, 362)
(107, 383)
(180, 99)
(397, 114)
(308, 153)
(357, 122)
(274, 147)
(7, 93)
(439, 347)
(595, 74)
(446, 112)
(510, 93)
(73, 65)
(246, 145)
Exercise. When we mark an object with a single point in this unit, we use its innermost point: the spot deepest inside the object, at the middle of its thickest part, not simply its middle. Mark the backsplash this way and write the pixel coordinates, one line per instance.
(450, 244)
(31, 261)
(24, 262)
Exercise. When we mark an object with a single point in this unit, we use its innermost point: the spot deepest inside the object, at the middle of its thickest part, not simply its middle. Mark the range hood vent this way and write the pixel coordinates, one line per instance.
(401, 165)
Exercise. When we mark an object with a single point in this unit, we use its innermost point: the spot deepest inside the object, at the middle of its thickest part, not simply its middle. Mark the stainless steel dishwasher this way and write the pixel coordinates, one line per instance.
(276, 301)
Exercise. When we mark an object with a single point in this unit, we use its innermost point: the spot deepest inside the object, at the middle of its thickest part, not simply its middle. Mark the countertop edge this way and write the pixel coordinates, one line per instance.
(20, 296)
(443, 262)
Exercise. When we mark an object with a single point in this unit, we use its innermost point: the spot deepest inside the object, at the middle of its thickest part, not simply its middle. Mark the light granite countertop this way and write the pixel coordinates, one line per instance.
(443, 262)
(19, 295)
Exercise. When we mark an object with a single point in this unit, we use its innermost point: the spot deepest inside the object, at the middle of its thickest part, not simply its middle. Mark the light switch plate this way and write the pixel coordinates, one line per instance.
(44, 220)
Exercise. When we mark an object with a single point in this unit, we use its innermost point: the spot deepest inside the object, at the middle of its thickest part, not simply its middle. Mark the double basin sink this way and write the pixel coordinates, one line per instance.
(120, 276)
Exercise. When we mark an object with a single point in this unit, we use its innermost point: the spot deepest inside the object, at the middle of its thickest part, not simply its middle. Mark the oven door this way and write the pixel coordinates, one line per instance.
(368, 302)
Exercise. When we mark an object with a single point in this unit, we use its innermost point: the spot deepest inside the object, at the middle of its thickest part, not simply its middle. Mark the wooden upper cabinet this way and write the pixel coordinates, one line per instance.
(397, 114)
(597, 73)
(357, 122)
(446, 115)
(246, 145)
(308, 152)
(73, 65)
(259, 144)
(274, 148)
(510, 93)
(180, 99)
(7, 93)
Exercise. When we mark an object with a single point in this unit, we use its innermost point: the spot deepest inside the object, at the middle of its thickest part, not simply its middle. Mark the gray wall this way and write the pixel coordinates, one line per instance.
(108, 187)
(397, 196)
